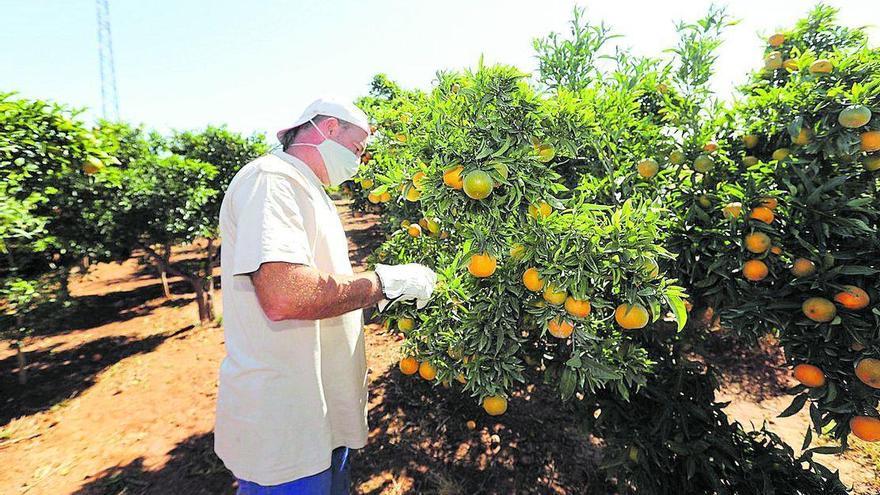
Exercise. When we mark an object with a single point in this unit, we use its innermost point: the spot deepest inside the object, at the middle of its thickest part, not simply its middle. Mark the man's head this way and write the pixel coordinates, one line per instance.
(313, 132)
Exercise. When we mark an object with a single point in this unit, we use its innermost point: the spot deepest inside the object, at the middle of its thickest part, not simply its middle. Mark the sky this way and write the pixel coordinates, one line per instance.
(254, 65)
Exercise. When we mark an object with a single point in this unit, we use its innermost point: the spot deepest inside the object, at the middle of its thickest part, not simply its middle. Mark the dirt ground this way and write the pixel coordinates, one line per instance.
(121, 401)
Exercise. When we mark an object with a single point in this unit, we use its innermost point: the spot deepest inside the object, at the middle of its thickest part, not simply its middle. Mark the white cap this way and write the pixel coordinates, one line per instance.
(331, 108)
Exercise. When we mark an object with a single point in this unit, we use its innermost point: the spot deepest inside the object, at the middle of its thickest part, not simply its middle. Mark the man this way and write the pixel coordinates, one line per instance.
(293, 386)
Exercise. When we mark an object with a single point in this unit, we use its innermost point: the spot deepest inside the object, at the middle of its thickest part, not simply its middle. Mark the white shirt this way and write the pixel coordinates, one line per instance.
(290, 391)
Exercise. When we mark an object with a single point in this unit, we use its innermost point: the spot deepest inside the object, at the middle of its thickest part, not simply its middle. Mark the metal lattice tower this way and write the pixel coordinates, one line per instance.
(109, 99)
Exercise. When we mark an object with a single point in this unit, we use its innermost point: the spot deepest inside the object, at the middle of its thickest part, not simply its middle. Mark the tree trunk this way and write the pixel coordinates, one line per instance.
(163, 270)
(22, 364)
(205, 315)
(65, 284)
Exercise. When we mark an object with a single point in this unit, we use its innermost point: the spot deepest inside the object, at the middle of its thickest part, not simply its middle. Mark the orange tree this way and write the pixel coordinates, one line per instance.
(800, 256)
(548, 243)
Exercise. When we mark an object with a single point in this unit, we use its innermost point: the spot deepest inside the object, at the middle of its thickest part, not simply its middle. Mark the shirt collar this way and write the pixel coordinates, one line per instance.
(301, 166)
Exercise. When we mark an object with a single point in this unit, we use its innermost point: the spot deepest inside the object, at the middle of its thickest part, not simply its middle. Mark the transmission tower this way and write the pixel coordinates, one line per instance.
(109, 99)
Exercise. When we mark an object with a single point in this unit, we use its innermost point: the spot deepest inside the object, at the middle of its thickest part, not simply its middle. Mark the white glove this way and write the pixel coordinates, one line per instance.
(405, 283)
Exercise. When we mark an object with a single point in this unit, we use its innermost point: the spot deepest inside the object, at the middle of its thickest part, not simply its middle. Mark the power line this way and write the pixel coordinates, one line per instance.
(109, 98)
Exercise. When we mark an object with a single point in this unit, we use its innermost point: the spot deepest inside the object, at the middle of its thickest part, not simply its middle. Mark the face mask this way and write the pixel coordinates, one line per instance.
(340, 162)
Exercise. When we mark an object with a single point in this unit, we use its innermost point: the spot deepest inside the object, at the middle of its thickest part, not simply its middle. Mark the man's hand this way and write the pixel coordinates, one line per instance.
(407, 282)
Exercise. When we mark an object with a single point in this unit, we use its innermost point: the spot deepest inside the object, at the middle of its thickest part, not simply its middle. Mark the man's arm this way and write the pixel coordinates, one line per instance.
(288, 291)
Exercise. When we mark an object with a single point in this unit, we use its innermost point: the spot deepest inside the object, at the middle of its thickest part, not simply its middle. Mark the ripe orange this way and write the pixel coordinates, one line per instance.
(676, 157)
(427, 371)
(406, 324)
(803, 267)
(452, 177)
(418, 180)
(577, 307)
(541, 210)
(482, 265)
(819, 309)
(776, 40)
(810, 375)
(732, 210)
(413, 194)
(790, 64)
(495, 405)
(852, 297)
(648, 168)
(559, 328)
(769, 202)
(755, 270)
(821, 66)
(773, 60)
(865, 427)
(750, 141)
(532, 280)
(757, 242)
(401, 137)
(367, 183)
(762, 214)
(478, 185)
(554, 296)
(870, 141)
(803, 137)
(710, 147)
(872, 163)
(776, 250)
(854, 116)
(374, 198)
(631, 316)
(408, 365)
(703, 163)
(385, 197)
(414, 229)
(868, 371)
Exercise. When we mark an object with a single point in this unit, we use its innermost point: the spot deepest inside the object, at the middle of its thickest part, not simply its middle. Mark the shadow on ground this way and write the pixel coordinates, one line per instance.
(54, 377)
(757, 372)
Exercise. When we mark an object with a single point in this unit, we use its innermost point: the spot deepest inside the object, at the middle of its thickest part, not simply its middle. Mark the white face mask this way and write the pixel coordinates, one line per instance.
(340, 162)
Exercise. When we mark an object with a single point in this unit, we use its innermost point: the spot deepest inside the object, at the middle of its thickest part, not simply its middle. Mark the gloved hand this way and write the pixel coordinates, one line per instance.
(405, 283)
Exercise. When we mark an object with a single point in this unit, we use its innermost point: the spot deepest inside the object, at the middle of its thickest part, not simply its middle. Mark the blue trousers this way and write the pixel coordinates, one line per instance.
(334, 481)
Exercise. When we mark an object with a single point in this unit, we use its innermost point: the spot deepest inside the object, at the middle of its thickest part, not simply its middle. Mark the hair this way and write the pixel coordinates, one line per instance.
(289, 137)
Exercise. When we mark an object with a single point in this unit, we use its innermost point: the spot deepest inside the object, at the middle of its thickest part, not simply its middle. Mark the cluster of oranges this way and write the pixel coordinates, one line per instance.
(494, 405)
(756, 242)
(703, 163)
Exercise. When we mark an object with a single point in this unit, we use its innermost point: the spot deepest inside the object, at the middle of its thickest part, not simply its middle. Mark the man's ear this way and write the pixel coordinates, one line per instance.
(332, 126)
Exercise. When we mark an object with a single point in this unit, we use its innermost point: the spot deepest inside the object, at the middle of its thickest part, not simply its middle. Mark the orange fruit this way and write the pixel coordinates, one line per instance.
(401, 138)
(517, 251)
(757, 242)
(532, 280)
(406, 324)
(427, 371)
(482, 265)
(732, 210)
(872, 163)
(810, 375)
(773, 60)
(803, 137)
(554, 296)
(870, 141)
(821, 66)
(648, 168)
(478, 185)
(769, 202)
(790, 64)
(762, 214)
(703, 163)
(755, 270)
(781, 154)
(367, 183)
(415, 230)
(866, 428)
(631, 316)
(676, 157)
(776, 250)
(868, 371)
(803, 267)
(819, 309)
(750, 160)
(541, 210)
(750, 141)
(559, 328)
(471, 424)
(852, 297)
(374, 198)
(408, 365)
(385, 197)
(577, 307)
(652, 268)
(546, 152)
(461, 379)
(854, 116)
(452, 177)
(418, 180)
(413, 194)
(776, 40)
(710, 147)
(495, 405)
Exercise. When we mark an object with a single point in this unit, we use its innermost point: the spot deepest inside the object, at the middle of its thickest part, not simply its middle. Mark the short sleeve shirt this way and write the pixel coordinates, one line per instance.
(290, 391)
